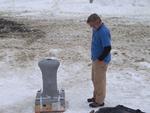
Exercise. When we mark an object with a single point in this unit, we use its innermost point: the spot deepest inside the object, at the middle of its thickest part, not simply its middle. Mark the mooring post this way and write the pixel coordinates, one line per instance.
(49, 99)
(49, 69)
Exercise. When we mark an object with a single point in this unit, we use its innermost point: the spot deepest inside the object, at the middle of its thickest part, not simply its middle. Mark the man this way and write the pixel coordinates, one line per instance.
(100, 55)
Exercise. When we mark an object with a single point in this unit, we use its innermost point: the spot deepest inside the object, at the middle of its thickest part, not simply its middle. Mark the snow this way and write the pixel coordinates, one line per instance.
(76, 7)
(125, 87)
(20, 78)
(145, 65)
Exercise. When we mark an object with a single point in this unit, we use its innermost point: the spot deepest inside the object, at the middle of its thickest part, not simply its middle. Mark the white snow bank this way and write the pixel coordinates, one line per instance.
(76, 7)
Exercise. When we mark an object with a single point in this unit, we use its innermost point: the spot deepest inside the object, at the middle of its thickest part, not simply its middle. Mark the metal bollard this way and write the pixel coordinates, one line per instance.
(49, 99)
(49, 69)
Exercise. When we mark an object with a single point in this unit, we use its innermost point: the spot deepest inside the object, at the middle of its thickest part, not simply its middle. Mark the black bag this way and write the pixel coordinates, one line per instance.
(117, 109)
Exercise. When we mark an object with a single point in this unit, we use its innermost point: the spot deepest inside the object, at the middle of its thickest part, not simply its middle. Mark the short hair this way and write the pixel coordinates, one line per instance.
(93, 17)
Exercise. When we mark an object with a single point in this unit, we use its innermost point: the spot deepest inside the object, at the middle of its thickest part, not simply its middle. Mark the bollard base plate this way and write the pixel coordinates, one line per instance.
(50, 105)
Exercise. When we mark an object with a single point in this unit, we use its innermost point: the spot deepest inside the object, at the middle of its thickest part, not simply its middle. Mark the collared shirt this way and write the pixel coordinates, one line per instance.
(101, 38)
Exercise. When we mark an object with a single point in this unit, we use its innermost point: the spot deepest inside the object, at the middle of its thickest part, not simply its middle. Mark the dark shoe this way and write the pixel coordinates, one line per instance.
(90, 100)
(92, 111)
(94, 105)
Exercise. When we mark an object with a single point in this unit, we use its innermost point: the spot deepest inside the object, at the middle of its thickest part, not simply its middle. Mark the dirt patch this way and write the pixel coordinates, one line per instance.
(18, 30)
(7, 26)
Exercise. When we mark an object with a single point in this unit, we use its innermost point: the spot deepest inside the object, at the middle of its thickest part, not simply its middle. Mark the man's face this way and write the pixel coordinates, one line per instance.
(95, 24)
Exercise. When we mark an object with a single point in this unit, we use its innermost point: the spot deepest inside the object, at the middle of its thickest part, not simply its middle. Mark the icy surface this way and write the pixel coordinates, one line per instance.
(55, 32)
(69, 8)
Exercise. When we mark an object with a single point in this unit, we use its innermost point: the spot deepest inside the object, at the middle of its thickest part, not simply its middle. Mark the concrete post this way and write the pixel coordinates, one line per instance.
(49, 69)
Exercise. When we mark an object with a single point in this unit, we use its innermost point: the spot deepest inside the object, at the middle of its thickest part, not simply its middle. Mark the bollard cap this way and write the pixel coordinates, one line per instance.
(50, 63)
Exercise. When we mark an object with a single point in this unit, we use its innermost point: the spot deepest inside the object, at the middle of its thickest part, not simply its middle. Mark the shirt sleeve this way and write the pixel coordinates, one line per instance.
(105, 38)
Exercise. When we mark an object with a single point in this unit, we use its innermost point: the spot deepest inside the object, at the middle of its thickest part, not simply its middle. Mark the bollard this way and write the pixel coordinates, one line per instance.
(49, 69)
(49, 99)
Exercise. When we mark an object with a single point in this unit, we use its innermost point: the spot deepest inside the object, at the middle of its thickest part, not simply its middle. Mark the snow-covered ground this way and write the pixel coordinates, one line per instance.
(75, 8)
(59, 30)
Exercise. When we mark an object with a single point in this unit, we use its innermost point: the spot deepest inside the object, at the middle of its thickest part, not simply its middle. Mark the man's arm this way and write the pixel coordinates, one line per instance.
(104, 54)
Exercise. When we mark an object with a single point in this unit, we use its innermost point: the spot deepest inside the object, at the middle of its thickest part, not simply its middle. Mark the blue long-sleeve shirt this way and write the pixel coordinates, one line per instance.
(101, 38)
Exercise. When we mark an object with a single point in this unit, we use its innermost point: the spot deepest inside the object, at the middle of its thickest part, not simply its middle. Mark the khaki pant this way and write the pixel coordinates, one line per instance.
(99, 81)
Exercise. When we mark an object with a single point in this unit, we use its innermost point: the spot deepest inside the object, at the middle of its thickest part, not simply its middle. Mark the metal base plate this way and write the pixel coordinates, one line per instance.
(49, 104)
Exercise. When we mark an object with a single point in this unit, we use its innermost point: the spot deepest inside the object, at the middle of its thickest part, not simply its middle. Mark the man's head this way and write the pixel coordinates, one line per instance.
(94, 21)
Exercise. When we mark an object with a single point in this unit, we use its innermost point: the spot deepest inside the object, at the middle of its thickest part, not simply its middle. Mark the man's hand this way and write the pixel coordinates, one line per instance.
(100, 61)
